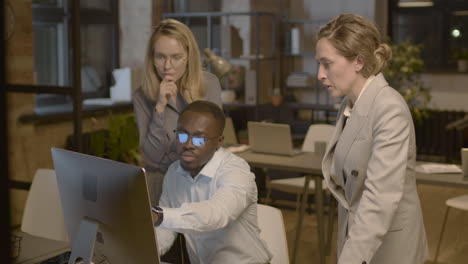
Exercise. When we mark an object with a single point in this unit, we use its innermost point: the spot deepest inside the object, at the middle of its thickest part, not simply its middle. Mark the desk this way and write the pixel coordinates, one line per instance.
(35, 249)
(308, 163)
(442, 179)
(311, 164)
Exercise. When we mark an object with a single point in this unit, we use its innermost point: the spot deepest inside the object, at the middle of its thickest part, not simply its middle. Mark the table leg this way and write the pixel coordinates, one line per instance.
(320, 222)
(331, 217)
(300, 218)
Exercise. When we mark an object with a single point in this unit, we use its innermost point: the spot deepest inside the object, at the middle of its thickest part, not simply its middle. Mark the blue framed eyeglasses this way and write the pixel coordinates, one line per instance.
(197, 141)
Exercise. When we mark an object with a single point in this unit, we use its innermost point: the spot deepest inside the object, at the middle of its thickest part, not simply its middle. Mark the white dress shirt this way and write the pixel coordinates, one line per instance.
(349, 107)
(216, 211)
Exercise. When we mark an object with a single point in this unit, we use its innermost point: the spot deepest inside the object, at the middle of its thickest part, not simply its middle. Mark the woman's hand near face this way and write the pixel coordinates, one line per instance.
(167, 92)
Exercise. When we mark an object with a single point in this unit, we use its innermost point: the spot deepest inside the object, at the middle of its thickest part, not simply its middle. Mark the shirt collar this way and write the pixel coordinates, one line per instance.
(349, 108)
(210, 168)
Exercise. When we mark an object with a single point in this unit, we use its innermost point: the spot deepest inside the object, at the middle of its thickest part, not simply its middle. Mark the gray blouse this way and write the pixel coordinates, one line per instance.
(156, 130)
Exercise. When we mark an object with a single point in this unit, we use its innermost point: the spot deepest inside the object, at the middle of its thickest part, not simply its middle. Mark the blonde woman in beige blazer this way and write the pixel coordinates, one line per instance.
(369, 163)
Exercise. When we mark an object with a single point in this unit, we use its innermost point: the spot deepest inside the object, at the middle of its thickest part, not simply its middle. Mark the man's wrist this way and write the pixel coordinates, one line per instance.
(158, 211)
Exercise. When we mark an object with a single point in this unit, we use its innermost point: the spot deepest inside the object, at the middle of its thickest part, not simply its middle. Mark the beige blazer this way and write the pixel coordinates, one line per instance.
(369, 168)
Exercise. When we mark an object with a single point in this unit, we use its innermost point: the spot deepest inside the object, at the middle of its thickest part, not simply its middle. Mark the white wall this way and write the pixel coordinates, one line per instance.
(135, 19)
(325, 10)
(322, 11)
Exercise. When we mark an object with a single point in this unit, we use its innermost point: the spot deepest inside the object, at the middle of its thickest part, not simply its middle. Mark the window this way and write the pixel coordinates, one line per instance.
(53, 49)
(441, 28)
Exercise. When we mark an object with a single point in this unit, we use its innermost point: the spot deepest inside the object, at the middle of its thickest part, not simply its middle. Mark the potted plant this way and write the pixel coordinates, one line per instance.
(119, 142)
(403, 74)
(276, 98)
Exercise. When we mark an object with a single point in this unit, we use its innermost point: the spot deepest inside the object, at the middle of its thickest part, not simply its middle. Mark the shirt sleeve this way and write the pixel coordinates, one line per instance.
(154, 141)
(384, 186)
(236, 190)
(164, 236)
(165, 239)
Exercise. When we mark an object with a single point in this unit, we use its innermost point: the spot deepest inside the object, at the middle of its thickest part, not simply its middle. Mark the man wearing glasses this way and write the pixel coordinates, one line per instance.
(209, 194)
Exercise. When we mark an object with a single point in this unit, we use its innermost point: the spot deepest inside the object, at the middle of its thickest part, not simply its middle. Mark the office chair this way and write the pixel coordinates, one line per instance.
(459, 202)
(315, 133)
(43, 214)
(229, 133)
(270, 221)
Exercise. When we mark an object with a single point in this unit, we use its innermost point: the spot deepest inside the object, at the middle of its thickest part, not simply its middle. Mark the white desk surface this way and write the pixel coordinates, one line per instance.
(306, 162)
(311, 163)
(442, 179)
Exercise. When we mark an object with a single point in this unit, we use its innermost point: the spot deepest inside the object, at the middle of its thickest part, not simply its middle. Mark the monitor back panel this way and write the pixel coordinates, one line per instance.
(114, 195)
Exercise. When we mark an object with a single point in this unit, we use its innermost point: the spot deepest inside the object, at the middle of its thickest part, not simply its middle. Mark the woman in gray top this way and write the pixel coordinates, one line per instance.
(173, 78)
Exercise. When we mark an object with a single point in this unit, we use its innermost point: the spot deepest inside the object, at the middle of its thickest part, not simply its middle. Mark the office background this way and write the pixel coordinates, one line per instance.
(30, 136)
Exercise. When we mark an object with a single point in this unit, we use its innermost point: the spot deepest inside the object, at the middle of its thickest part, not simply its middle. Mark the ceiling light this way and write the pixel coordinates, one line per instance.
(403, 3)
(456, 33)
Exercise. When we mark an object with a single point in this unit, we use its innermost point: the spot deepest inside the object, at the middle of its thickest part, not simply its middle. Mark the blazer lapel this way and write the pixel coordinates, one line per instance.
(335, 184)
(356, 121)
(342, 140)
(329, 153)
(348, 135)
(339, 126)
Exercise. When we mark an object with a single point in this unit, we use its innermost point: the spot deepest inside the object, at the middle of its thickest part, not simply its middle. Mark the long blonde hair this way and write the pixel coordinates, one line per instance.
(191, 84)
(353, 36)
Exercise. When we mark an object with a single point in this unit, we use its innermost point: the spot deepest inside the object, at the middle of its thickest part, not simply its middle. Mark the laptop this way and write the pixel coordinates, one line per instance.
(271, 138)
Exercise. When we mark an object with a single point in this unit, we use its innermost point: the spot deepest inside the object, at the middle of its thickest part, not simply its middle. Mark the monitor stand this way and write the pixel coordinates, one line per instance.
(83, 245)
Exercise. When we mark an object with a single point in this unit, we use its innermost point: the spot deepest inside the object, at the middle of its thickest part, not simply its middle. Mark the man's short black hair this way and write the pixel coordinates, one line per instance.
(207, 107)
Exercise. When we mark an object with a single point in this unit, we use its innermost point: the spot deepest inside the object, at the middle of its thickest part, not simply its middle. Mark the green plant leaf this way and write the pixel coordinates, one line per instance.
(120, 142)
(403, 74)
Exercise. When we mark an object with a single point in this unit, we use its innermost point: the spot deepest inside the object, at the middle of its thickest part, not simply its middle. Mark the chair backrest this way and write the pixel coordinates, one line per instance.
(317, 132)
(43, 214)
(229, 133)
(270, 221)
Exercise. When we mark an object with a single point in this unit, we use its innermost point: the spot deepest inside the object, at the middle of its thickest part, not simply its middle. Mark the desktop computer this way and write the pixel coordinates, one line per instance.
(106, 208)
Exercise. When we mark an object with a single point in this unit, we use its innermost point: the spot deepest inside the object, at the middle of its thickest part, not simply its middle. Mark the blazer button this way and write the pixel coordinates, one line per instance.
(355, 173)
(364, 262)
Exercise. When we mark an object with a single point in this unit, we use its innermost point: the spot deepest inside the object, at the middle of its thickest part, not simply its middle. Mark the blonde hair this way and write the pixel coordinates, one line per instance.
(191, 84)
(355, 36)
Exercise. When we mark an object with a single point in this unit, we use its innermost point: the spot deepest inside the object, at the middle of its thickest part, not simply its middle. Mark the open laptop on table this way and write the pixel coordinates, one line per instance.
(271, 138)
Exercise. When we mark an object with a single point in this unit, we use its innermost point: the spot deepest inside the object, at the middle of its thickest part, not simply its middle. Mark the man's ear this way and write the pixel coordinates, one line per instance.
(220, 142)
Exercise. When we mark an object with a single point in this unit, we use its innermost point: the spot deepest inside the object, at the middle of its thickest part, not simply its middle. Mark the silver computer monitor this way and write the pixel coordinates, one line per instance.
(106, 209)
